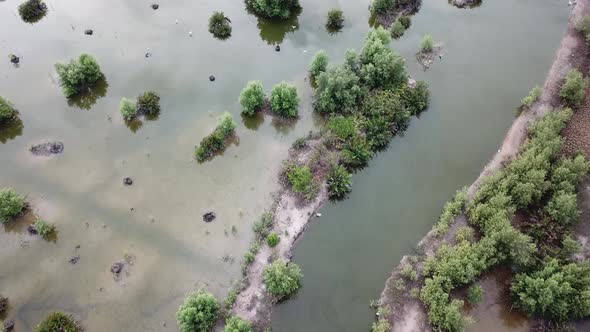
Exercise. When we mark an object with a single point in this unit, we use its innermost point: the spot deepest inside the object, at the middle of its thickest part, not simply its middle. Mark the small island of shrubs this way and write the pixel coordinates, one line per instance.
(335, 20)
(279, 9)
(252, 98)
(32, 11)
(147, 104)
(283, 99)
(58, 321)
(7, 112)
(79, 75)
(218, 139)
(220, 25)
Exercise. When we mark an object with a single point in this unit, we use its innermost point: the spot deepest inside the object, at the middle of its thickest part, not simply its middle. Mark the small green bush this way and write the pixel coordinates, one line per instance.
(338, 91)
(381, 325)
(79, 75)
(405, 20)
(570, 246)
(573, 89)
(465, 233)
(416, 99)
(409, 273)
(335, 19)
(32, 10)
(356, 154)
(148, 103)
(273, 239)
(284, 100)
(563, 208)
(282, 9)
(301, 180)
(58, 321)
(7, 111)
(216, 141)
(427, 44)
(43, 228)
(397, 29)
(381, 6)
(252, 98)
(339, 182)
(384, 114)
(198, 313)
(584, 27)
(299, 143)
(282, 279)
(532, 97)
(450, 211)
(128, 109)
(344, 128)
(319, 64)
(237, 324)
(11, 205)
(219, 25)
(475, 294)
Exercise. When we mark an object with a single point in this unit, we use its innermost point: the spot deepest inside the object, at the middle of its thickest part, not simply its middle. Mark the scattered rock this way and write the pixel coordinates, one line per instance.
(127, 181)
(77, 246)
(212, 78)
(47, 149)
(74, 259)
(155, 6)
(116, 268)
(31, 230)
(148, 54)
(209, 216)
(277, 48)
(9, 325)
(14, 59)
(88, 32)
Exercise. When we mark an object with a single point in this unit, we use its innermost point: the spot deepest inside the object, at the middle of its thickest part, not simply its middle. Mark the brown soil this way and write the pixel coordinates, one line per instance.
(409, 314)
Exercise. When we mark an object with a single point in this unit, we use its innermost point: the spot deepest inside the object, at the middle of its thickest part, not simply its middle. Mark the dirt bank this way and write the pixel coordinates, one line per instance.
(407, 312)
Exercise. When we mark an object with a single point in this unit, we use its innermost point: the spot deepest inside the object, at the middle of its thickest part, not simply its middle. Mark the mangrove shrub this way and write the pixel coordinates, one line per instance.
(284, 100)
(217, 140)
(339, 182)
(198, 312)
(7, 111)
(397, 29)
(148, 103)
(532, 97)
(78, 75)
(282, 9)
(237, 324)
(219, 25)
(475, 294)
(356, 153)
(343, 127)
(301, 180)
(128, 108)
(58, 321)
(11, 205)
(573, 89)
(32, 10)
(584, 27)
(252, 98)
(338, 91)
(381, 67)
(282, 279)
(319, 64)
(43, 227)
(335, 19)
(381, 6)
(383, 113)
(273, 239)
(416, 98)
(427, 44)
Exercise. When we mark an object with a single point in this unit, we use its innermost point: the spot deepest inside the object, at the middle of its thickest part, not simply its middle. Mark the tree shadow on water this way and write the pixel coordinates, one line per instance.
(11, 130)
(137, 123)
(253, 122)
(273, 31)
(87, 99)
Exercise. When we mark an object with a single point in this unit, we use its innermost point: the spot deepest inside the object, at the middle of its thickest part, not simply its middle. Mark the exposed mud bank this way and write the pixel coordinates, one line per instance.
(407, 312)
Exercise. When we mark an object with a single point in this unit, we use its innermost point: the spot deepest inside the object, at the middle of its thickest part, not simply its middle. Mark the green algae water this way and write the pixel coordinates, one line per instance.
(494, 55)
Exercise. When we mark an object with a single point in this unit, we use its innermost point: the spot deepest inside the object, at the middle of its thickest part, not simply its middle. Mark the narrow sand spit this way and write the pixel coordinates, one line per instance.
(409, 314)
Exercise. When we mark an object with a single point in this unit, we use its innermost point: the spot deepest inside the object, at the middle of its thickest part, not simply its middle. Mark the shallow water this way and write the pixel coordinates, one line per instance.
(494, 55)
(346, 256)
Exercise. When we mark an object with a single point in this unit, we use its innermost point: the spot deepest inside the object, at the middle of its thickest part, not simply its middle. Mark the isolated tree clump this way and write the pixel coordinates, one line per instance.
(572, 90)
(237, 324)
(58, 321)
(339, 182)
(79, 75)
(282, 9)
(319, 64)
(252, 98)
(381, 6)
(43, 227)
(217, 140)
(335, 19)
(198, 312)
(284, 100)
(220, 25)
(11, 205)
(7, 111)
(427, 44)
(148, 103)
(32, 10)
(282, 279)
(128, 109)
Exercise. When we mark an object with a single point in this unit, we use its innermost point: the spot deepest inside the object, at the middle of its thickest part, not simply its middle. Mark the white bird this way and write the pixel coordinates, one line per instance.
(569, 3)
(190, 33)
(176, 22)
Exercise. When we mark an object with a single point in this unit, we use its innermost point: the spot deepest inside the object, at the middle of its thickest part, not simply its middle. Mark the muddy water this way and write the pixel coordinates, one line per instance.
(494, 55)
(158, 219)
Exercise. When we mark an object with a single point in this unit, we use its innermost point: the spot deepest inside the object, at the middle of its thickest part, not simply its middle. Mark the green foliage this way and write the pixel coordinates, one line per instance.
(302, 182)
(252, 98)
(570, 246)
(219, 25)
(32, 10)
(58, 321)
(299, 143)
(427, 44)
(573, 89)
(563, 208)
(382, 325)
(148, 103)
(532, 97)
(397, 29)
(273, 8)
(237, 324)
(465, 233)
(78, 75)
(475, 294)
(262, 228)
(344, 128)
(11, 205)
(405, 20)
(409, 273)
(198, 312)
(381, 6)
(335, 19)
(319, 64)
(339, 182)
(381, 67)
(284, 100)
(128, 109)
(282, 279)
(273, 239)
(7, 111)
(416, 98)
(584, 27)
(558, 292)
(216, 141)
(338, 91)
(356, 153)
(450, 211)
(43, 228)
(383, 114)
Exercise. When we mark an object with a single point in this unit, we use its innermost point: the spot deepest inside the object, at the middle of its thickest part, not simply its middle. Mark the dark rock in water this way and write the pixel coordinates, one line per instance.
(277, 48)
(148, 54)
(3, 304)
(209, 216)
(211, 78)
(9, 325)
(14, 59)
(31, 230)
(88, 32)
(74, 259)
(155, 6)
(47, 149)
(117, 267)
(127, 181)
